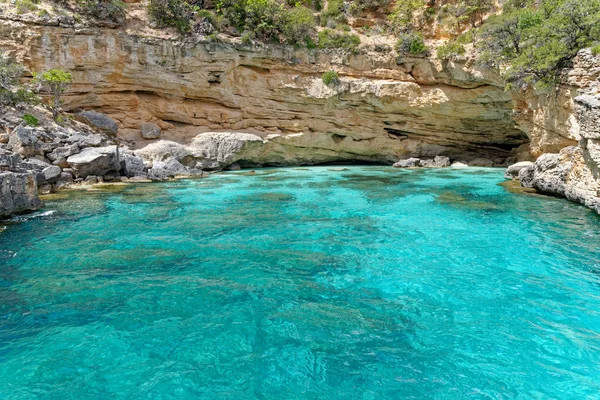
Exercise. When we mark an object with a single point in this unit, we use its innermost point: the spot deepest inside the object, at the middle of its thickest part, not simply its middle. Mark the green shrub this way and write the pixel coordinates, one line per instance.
(330, 77)
(25, 6)
(454, 49)
(299, 25)
(172, 13)
(334, 14)
(31, 120)
(596, 49)
(411, 43)
(54, 82)
(450, 51)
(537, 39)
(328, 39)
(105, 10)
(403, 17)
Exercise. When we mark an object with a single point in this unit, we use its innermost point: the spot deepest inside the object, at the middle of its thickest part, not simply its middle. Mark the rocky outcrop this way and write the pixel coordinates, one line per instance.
(95, 161)
(436, 162)
(565, 174)
(574, 171)
(512, 172)
(18, 192)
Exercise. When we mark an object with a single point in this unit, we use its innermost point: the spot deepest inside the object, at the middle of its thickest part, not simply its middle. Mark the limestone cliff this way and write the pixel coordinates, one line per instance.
(384, 108)
(574, 171)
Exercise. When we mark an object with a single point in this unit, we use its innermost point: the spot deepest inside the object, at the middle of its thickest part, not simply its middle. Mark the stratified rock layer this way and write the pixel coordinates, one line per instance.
(385, 108)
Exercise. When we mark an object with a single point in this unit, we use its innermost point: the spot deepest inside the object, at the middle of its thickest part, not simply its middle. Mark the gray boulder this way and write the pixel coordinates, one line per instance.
(171, 169)
(512, 172)
(217, 150)
(133, 166)
(163, 150)
(33, 164)
(408, 163)
(51, 173)
(18, 193)
(100, 121)
(63, 152)
(459, 164)
(8, 160)
(150, 131)
(94, 161)
(437, 162)
(24, 141)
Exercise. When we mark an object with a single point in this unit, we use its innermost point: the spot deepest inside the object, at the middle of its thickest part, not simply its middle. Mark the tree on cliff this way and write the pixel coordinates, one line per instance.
(54, 82)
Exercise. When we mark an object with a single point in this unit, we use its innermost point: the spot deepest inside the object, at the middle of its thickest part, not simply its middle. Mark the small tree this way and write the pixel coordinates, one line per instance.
(55, 82)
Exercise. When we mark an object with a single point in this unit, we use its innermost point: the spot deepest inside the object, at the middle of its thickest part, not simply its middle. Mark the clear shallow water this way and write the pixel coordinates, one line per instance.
(303, 283)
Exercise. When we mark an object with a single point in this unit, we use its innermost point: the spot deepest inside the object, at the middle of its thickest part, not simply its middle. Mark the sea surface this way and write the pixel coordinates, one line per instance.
(326, 283)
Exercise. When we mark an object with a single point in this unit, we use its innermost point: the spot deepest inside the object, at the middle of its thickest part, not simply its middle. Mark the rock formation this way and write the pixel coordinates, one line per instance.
(574, 171)
(383, 109)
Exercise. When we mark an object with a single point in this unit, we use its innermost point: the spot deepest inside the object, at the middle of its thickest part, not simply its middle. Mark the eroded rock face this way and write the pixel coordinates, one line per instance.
(564, 174)
(574, 171)
(384, 109)
(18, 192)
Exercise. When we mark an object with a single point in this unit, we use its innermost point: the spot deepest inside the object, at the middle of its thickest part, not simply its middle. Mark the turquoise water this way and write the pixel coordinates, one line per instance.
(303, 283)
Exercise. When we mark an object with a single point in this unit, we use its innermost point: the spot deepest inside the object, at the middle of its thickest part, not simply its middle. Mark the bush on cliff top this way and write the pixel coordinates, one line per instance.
(330, 39)
(536, 39)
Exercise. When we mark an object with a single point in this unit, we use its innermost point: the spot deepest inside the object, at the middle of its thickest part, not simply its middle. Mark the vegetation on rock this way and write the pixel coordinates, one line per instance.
(330, 77)
(54, 82)
(536, 39)
(331, 39)
(11, 91)
(411, 43)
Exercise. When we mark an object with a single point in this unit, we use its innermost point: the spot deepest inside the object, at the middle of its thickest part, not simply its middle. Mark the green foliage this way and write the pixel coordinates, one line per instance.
(11, 92)
(358, 7)
(596, 49)
(454, 49)
(55, 82)
(330, 77)
(31, 120)
(411, 43)
(25, 6)
(329, 39)
(104, 10)
(173, 13)
(404, 16)
(457, 15)
(450, 50)
(299, 25)
(334, 14)
(537, 39)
